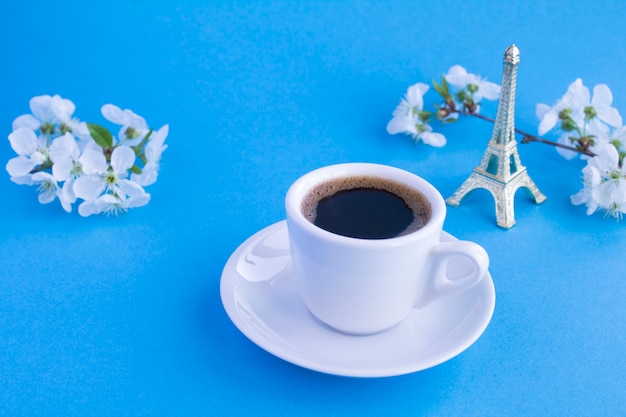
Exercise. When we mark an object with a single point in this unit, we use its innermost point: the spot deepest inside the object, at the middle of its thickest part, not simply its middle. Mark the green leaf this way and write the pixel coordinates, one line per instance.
(438, 88)
(101, 135)
(141, 156)
(444, 83)
(443, 89)
(135, 169)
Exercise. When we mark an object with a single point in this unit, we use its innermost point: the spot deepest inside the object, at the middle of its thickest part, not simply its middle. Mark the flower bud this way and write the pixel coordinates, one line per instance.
(590, 112)
(47, 128)
(565, 113)
(65, 128)
(131, 133)
(568, 124)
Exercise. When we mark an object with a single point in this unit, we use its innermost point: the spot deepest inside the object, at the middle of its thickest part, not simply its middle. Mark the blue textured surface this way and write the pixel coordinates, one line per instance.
(122, 316)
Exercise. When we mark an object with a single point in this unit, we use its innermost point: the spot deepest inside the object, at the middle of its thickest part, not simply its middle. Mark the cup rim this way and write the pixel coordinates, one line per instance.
(306, 182)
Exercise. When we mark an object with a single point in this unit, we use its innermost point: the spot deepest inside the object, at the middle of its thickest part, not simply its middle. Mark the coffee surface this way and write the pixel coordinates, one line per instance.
(366, 207)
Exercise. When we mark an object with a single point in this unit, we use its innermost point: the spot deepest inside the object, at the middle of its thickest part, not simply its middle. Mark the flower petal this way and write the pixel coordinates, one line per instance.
(62, 170)
(23, 179)
(581, 197)
(114, 114)
(87, 208)
(148, 176)
(23, 141)
(48, 188)
(136, 121)
(602, 95)
(66, 195)
(93, 162)
(80, 130)
(131, 188)
(401, 124)
(160, 135)
(610, 116)
(138, 201)
(433, 139)
(415, 95)
(26, 120)
(122, 159)
(40, 107)
(604, 194)
(458, 76)
(62, 108)
(20, 166)
(541, 110)
(88, 187)
(548, 122)
(63, 147)
(489, 90)
(566, 153)
(154, 147)
(606, 159)
(137, 197)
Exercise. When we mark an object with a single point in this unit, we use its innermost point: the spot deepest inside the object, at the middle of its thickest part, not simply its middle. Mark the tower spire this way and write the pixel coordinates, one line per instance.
(501, 171)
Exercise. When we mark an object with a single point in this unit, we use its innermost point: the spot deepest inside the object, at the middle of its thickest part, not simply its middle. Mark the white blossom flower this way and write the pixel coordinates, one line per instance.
(64, 153)
(406, 118)
(127, 195)
(66, 194)
(459, 78)
(31, 150)
(133, 127)
(101, 179)
(601, 103)
(50, 111)
(58, 154)
(577, 100)
(604, 183)
(600, 132)
(48, 188)
(153, 151)
(99, 175)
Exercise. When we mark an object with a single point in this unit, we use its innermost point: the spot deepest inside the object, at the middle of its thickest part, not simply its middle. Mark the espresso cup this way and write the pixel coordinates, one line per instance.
(363, 278)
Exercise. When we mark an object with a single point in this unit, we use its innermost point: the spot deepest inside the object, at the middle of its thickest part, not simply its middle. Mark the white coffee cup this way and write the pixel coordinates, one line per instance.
(364, 286)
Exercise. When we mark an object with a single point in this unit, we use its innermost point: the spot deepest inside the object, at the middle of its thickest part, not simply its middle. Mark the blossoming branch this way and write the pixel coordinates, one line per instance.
(73, 160)
(586, 125)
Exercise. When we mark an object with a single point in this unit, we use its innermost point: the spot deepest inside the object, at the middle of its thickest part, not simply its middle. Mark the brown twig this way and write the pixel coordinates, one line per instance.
(527, 137)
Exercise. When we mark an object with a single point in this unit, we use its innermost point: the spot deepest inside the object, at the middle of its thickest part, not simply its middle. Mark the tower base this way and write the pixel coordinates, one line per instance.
(503, 193)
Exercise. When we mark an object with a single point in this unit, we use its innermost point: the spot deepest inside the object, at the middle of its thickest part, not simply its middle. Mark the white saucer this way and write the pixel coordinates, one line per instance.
(260, 297)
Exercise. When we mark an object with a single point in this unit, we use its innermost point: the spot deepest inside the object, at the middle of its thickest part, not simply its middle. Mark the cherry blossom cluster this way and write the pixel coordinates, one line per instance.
(586, 125)
(85, 163)
(461, 92)
(589, 126)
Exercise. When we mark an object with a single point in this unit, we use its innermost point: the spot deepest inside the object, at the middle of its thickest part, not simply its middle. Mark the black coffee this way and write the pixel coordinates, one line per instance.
(366, 207)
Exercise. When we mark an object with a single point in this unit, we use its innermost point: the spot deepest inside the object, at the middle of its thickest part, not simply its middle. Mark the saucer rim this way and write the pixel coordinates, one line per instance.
(227, 287)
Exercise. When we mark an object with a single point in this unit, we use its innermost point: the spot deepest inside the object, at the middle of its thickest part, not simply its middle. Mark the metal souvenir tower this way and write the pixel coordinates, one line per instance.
(500, 171)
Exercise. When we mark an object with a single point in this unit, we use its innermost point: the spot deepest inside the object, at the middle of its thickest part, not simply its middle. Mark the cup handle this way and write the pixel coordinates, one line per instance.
(440, 284)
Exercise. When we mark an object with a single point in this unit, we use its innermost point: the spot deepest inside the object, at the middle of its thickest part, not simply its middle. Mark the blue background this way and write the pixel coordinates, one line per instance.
(122, 316)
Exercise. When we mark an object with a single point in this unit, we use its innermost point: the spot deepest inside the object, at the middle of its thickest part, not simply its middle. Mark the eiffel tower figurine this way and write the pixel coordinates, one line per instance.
(500, 171)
